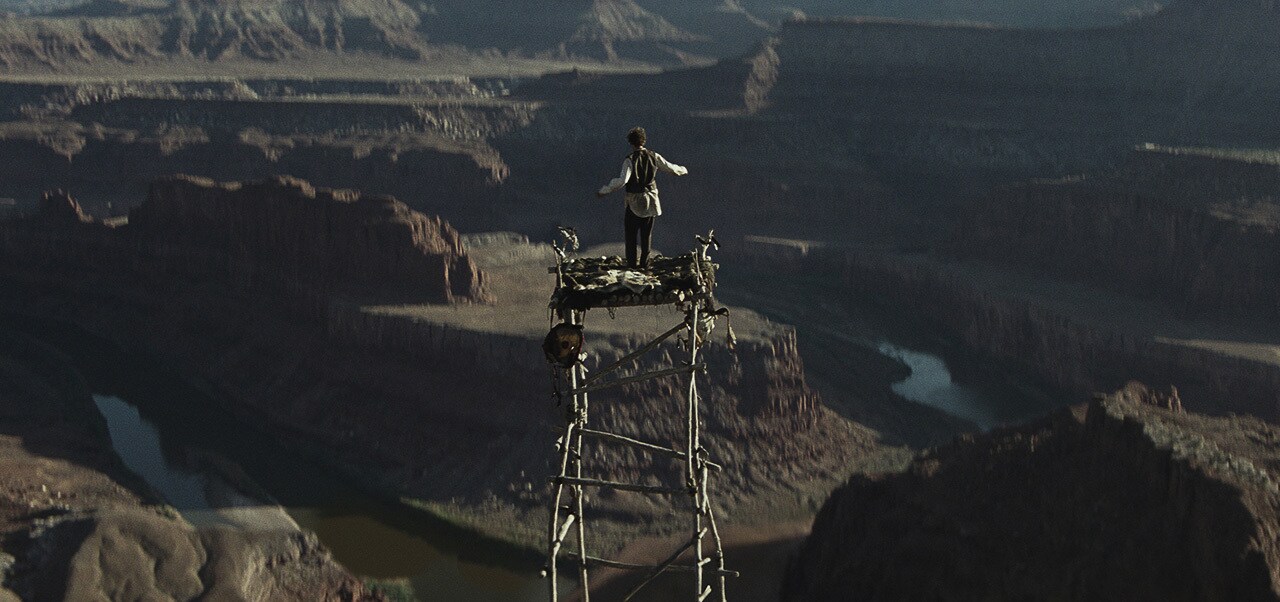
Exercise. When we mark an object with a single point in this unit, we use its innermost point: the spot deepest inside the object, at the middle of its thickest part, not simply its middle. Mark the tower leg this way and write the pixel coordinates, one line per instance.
(576, 378)
(693, 459)
(553, 530)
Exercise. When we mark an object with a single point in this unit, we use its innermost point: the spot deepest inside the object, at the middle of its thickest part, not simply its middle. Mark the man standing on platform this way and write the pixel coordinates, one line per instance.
(639, 176)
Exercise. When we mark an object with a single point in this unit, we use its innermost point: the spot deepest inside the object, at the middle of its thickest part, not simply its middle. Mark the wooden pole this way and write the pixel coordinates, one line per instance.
(715, 536)
(691, 453)
(580, 408)
(553, 544)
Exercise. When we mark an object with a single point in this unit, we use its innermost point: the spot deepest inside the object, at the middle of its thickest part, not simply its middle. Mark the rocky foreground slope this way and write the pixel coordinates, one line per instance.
(1132, 499)
(76, 525)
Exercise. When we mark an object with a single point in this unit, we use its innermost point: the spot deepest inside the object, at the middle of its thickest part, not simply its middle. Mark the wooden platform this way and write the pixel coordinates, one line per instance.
(590, 282)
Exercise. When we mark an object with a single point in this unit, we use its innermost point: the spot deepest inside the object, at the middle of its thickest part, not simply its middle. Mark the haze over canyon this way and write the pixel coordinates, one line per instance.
(999, 277)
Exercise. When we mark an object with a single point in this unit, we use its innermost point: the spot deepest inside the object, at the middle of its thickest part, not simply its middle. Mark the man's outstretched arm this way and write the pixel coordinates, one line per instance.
(669, 167)
(617, 182)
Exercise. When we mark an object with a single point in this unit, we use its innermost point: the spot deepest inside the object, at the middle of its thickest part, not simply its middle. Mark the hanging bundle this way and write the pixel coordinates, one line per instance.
(564, 344)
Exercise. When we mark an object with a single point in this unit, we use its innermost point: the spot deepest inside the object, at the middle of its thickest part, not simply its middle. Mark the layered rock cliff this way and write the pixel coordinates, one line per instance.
(1196, 228)
(1129, 501)
(97, 32)
(278, 235)
(211, 30)
(1080, 338)
(285, 233)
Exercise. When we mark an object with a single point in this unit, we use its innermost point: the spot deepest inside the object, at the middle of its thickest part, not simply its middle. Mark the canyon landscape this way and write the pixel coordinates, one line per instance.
(994, 279)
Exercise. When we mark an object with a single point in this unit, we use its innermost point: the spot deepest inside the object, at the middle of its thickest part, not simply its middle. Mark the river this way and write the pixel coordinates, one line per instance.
(205, 463)
(847, 341)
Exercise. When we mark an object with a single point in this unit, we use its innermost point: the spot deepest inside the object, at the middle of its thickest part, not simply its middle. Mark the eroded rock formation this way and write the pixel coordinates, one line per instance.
(1125, 501)
(284, 232)
(1196, 228)
(1079, 339)
(278, 235)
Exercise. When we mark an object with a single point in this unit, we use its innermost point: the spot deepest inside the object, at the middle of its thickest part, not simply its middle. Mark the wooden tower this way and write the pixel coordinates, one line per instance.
(688, 282)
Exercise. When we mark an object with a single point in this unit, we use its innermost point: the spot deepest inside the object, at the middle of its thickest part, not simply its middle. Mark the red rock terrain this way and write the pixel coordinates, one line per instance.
(1132, 499)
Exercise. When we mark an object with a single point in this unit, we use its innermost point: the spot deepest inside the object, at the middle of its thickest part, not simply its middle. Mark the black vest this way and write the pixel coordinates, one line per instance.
(644, 171)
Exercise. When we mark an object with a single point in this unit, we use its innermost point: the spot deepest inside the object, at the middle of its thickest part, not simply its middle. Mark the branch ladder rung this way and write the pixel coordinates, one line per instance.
(635, 379)
(634, 355)
(616, 485)
(630, 566)
(643, 444)
(665, 564)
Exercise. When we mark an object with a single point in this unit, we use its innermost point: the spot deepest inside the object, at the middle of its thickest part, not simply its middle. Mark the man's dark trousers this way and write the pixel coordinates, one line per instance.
(639, 230)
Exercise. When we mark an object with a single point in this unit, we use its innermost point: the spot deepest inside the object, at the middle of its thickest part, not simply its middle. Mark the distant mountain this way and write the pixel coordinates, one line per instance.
(1032, 13)
(268, 30)
(53, 33)
(595, 29)
(30, 6)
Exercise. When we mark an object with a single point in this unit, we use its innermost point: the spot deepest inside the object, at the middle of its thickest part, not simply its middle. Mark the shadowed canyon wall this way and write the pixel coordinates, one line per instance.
(1195, 228)
(1069, 337)
(279, 234)
(1135, 501)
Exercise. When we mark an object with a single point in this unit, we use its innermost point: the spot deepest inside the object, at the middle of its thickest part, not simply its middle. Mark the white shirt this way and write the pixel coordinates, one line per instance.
(643, 204)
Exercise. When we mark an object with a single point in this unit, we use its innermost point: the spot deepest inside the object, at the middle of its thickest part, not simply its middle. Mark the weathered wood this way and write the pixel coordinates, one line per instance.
(631, 566)
(637, 378)
(664, 565)
(616, 485)
(630, 357)
(697, 485)
(577, 376)
(553, 546)
(564, 529)
(643, 445)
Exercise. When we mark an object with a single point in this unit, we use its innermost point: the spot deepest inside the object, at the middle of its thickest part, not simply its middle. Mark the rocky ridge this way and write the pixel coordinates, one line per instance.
(212, 30)
(341, 240)
(251, 236)
(1124, 500)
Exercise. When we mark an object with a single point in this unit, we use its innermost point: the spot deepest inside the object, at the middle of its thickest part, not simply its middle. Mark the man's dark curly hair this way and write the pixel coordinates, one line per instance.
(637, 137)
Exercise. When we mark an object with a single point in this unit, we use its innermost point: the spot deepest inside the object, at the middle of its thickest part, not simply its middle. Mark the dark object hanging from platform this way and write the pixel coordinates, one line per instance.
(564, 344)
